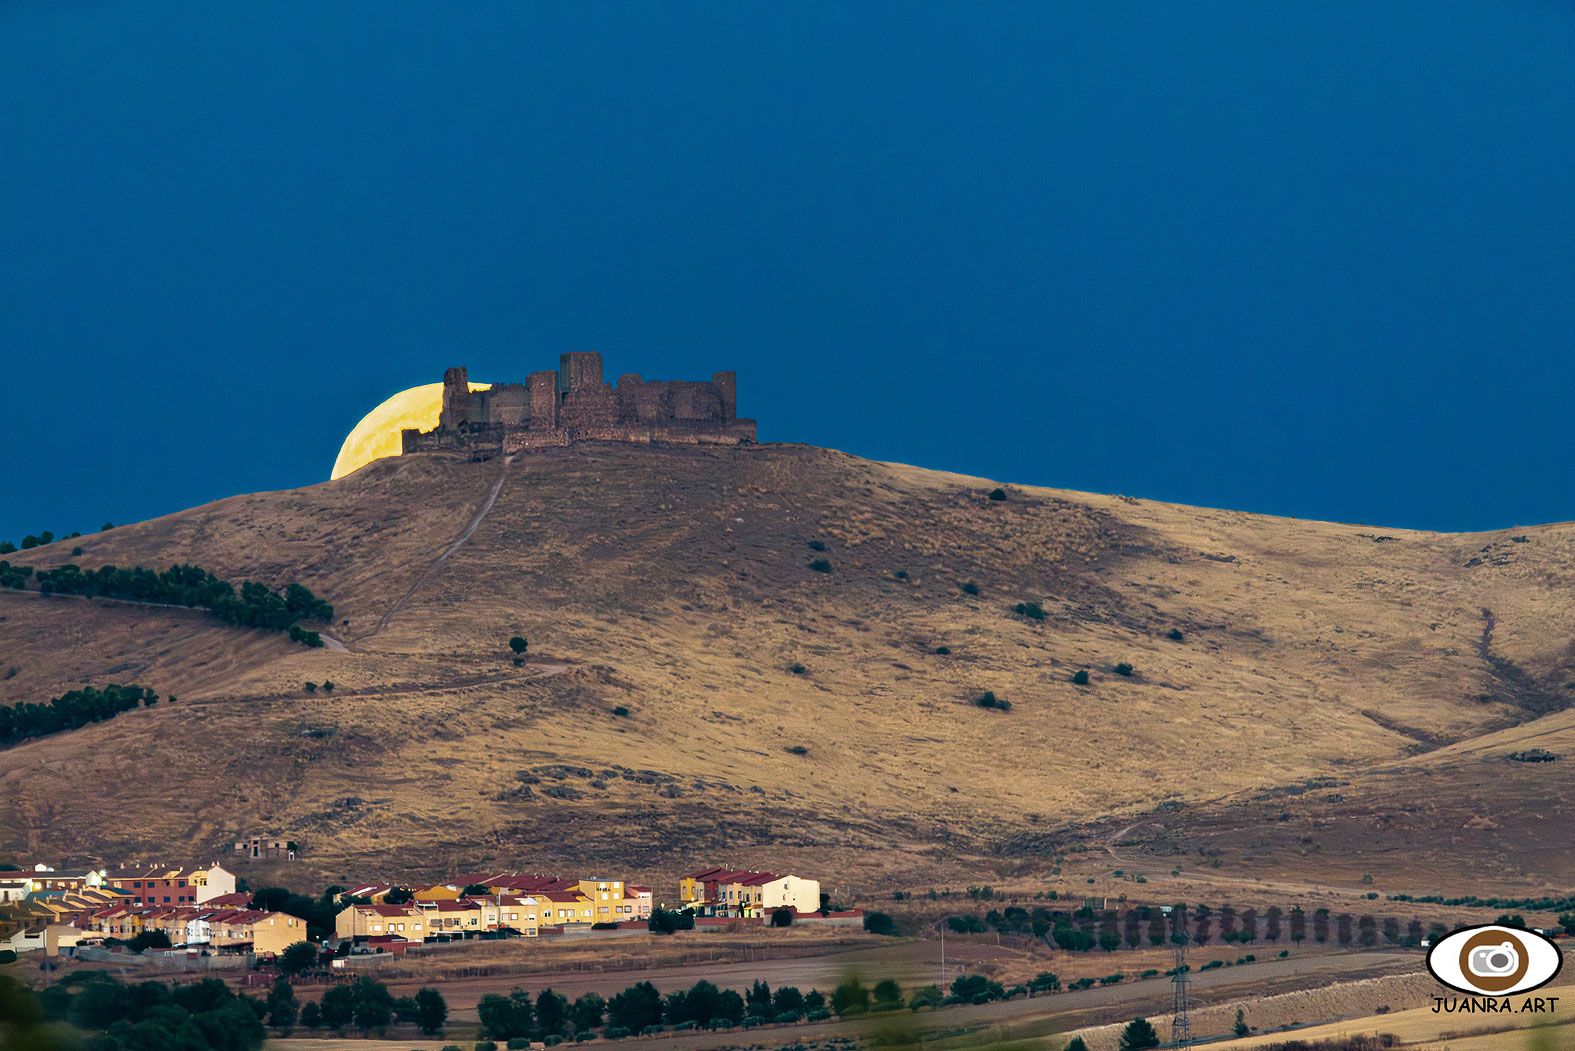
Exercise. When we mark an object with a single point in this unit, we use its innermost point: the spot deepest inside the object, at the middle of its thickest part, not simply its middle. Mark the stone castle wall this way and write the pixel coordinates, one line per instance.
(574, 403)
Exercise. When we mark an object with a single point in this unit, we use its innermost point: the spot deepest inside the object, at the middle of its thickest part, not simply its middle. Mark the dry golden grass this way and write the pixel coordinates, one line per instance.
(676, 583)
(1420, 1027)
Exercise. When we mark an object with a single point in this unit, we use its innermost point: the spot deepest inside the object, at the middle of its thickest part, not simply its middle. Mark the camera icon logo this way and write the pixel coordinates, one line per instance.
(1494, 961)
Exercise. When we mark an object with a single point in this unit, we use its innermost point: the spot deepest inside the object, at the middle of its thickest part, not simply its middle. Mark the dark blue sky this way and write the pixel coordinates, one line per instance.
(1308, 259)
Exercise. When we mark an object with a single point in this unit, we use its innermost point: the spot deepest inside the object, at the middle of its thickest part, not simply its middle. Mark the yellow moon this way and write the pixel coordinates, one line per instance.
(377, 435)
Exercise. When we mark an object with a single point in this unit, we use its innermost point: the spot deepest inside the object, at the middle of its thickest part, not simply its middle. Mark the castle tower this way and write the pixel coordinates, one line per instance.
(543, 388)
(726, 384)
(456, 398)
(578, 370)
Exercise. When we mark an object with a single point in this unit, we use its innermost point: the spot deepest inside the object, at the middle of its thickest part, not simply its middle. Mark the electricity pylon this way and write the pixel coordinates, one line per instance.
(1180, 1022)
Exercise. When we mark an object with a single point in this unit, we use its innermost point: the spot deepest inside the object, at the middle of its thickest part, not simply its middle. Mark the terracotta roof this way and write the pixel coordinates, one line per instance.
(638, 890)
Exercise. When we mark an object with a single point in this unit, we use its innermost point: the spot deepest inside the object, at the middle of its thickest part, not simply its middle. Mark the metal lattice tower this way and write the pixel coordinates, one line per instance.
(1180, 1022)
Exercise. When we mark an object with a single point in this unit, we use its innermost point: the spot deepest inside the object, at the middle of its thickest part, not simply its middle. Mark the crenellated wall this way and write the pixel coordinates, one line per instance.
(574, 403)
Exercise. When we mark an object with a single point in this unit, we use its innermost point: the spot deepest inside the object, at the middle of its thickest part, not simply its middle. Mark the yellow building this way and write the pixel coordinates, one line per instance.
(358, 922)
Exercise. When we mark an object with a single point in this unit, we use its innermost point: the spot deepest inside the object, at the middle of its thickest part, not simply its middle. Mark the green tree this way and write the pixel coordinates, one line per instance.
(588, 1012)
(636, 1008)
(431, 1011)
(757, 999)
(1138, 1034)
(976, 988)
(880, 923)
(506, 1017)
(888, 995)
(788, 1001)
(851, 997)
(926, 996)
(282, 1007)
(666, 921)
(154, 939)
(374, 1004)
(298, 957)
(311, 1015)
(1241, 1028)
(518, 645)
(552, 1011)
(338, 1007)
(1076, 1044)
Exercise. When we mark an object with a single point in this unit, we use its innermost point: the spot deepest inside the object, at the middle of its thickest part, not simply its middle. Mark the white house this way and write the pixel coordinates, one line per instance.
(213, 882)
(790, 892)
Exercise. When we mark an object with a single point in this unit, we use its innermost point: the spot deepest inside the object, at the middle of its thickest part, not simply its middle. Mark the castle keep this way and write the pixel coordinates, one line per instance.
(575, 404)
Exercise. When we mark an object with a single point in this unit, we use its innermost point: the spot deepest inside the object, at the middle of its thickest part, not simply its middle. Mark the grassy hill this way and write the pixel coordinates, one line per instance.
(781, 715)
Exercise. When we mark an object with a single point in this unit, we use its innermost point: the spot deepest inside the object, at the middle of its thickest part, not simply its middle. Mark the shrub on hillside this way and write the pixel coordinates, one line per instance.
(1031, 610)
(880, 923)
(1081, 677)
(988, 699)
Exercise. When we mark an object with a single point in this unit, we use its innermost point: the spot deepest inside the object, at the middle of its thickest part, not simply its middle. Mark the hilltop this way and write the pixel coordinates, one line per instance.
(769, 655)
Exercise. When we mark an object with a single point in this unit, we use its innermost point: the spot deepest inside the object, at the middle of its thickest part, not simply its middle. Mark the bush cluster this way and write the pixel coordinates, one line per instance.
(123, 1017)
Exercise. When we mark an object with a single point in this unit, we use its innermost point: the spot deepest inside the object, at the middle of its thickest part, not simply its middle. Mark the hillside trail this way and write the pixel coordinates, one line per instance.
(453, 546)
(398, 691)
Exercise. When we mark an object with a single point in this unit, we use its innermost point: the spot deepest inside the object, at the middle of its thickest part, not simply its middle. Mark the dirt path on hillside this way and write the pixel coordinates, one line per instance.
(454, 545)
(530, 672)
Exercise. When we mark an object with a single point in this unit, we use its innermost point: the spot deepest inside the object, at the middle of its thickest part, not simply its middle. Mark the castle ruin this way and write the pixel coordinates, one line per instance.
(574, 404)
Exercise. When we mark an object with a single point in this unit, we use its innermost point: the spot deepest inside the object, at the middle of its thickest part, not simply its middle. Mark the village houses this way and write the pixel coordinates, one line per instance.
(200, 909)
(745, 893)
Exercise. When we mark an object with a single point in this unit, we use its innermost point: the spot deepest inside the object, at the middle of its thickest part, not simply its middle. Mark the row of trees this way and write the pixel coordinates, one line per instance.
(254, 605)
(71, 710)
(642, 1008)
(364, 1003)
(1086, 929)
